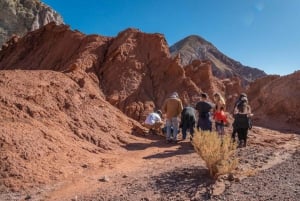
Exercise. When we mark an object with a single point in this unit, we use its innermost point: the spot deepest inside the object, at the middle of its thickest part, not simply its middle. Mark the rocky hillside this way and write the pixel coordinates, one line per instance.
(194, 47)
(20, 16)
(275, 101)
(135, 70)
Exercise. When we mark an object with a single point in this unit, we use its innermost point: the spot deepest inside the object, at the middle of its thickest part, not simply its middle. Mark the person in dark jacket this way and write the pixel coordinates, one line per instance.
(242, 121)
(238, 102)
(204, 108)
(188, 121)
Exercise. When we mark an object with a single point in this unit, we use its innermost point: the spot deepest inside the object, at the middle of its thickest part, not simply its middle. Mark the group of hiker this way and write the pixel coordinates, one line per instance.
(208, 112)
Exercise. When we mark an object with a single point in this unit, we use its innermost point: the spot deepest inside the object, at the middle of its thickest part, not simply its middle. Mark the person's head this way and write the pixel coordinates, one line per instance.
(159, 112)
(243, 95)
(174, 95)
(244, 99)
(218, 98)
(203, 96)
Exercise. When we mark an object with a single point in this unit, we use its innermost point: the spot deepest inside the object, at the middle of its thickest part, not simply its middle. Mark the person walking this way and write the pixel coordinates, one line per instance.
(219, 114)
(188, 121)
(204, 108)
(238, 101)
(242, 121)
(172, 107)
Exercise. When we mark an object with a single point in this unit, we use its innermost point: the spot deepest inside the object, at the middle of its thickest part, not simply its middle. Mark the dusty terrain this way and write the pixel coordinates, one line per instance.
(71, 107)
(149, 169)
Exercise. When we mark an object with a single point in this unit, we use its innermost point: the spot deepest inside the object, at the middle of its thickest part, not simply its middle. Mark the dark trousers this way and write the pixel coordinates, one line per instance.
(234, 131)
(242, 134)
(204, 124)
(186, 127)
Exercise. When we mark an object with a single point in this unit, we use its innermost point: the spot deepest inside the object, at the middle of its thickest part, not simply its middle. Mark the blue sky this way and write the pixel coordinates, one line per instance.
(259, 33)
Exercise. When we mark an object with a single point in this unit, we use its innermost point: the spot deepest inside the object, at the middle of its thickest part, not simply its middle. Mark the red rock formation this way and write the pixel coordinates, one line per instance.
(233, 88)
(201, 74)
(275, 101)
(56, 102)
(138, 73)
(134, 70)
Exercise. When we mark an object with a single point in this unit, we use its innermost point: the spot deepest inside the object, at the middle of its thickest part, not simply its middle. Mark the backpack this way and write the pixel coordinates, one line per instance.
(242, 121)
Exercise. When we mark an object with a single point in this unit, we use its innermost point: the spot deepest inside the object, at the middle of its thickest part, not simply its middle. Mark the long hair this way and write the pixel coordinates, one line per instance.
(220, 101)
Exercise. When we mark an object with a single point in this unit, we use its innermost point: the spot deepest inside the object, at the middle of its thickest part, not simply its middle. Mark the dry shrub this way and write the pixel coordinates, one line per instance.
(218, 153)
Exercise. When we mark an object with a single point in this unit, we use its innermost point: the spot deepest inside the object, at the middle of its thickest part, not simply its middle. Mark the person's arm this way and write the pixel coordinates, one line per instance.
(164, 107)
(249, 111)
(180, 107)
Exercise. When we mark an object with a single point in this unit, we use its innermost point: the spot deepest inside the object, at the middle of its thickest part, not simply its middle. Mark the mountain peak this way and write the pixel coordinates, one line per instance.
(195, 47)
(193, 41)
(195, 38)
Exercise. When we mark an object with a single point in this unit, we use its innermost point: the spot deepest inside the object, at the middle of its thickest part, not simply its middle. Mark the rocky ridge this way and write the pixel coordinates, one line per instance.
(17, 17)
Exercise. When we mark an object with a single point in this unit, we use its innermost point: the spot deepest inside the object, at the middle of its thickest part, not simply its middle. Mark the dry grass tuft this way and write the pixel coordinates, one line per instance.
(218, 153)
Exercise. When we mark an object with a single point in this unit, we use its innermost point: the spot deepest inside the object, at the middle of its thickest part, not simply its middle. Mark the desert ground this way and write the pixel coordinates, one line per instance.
(149, 169)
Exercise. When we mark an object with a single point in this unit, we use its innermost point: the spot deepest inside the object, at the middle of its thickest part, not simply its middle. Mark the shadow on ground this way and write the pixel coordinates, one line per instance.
(180, 148)
(184, 183)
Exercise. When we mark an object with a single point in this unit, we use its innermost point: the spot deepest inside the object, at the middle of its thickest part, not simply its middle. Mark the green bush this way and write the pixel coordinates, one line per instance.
(218, 153)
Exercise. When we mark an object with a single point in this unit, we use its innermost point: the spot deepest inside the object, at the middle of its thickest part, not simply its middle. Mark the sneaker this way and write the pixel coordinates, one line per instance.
(168, 141)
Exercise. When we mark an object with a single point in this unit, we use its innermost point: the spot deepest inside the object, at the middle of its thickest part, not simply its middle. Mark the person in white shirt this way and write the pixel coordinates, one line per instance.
(154, 122)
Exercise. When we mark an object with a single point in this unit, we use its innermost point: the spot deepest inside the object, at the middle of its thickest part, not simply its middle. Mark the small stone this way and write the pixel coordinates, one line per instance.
(237, 179)
(84, 166)
(104, 179)
(230, 177)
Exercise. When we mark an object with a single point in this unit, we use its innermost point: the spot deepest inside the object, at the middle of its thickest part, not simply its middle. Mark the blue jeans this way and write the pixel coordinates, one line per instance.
(173, 122)
(220, 128)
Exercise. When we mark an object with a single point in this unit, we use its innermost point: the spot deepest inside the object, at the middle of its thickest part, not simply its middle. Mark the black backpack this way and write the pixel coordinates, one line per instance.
(242, 121)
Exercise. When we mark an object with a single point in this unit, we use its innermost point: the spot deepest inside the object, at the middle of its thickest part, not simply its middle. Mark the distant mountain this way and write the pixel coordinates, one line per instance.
(17, 17)
(194, 47)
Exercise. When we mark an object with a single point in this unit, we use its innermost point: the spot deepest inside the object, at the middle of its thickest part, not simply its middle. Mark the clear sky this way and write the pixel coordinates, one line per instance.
(259, 33)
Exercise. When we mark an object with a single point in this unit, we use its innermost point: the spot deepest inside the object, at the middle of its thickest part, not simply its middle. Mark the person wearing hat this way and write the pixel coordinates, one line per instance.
(172, 107)
(154, 122)
(204, 108)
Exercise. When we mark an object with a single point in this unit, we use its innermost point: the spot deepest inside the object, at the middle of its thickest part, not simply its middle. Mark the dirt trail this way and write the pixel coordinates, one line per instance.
(140, 159)
(150, 169)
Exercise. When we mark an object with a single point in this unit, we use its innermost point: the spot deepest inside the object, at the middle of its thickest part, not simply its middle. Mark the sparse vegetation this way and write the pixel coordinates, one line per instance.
(218, 153)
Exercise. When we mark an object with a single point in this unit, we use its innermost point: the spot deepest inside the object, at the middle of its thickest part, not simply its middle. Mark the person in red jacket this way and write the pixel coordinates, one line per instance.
(219, 113)
(220, 121)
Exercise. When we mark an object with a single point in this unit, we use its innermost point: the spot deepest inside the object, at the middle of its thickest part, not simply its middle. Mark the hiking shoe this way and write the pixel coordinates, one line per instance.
(168, 141)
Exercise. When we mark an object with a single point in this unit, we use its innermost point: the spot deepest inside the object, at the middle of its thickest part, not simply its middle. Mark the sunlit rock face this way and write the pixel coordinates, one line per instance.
(17, 17)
